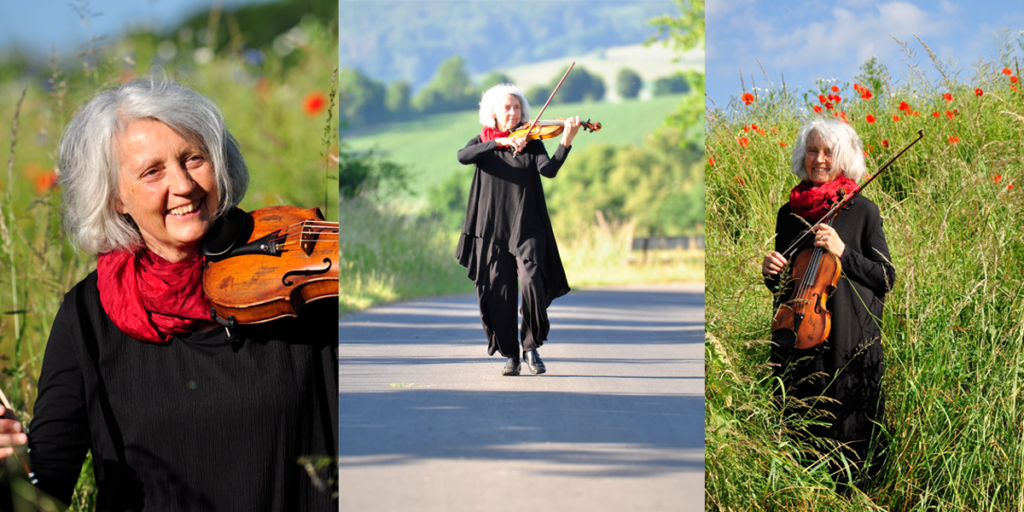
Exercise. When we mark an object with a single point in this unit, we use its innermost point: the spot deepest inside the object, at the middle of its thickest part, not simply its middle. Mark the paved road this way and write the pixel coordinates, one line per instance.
(429, 424)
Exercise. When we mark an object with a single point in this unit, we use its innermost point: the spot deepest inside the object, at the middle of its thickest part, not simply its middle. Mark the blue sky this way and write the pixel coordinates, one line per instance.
(35, 25)
(806, 40)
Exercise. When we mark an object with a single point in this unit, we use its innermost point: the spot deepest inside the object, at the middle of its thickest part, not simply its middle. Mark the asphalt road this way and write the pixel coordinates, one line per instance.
(428, 423)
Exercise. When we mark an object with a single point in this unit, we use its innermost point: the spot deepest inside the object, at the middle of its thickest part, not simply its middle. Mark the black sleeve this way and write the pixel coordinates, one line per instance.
(474, 150)
(59, 434)
(874, 268)
(772, 281)
(549, 167)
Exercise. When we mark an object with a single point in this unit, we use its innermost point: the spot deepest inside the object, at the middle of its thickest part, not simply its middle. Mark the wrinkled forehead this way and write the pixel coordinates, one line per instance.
(817, 139)
(510, 100)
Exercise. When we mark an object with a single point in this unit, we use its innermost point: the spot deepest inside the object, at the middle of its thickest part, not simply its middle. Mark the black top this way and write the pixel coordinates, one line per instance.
(192, 424)
(852, 353)
(506, 210)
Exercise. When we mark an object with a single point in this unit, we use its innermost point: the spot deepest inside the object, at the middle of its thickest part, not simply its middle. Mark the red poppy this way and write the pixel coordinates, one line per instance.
(936, 114)
(828, 105)
(950, 114)
(870, 119)
(885, 143)
(753, 126)
(783, 144)
(978, 92)
(739, 181)
(865, 153)
(1014, 79)
(1006, 71)
(1009, 187)
(711, 161)
(904, 106)
(947, 96)
(746, 128)
(895, 118)
(760, 131)
(817, 109)
(835, 89)
(315, 103)
(953, 139)
(775, 130)
(45, 181)
(747, 98)
(837, 98)
(821, 98)
(1013, 88)
(744, 142)
(856, 87)
(997, 178)
(865, 94)
(916, 114)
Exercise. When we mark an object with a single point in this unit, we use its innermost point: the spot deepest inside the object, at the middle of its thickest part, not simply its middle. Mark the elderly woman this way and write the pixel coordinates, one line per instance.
(134, 370)
(848, 368)
(507, 231)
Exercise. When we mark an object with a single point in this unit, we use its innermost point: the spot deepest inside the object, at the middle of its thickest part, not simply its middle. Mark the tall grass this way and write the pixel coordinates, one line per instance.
(288, 157)
(953, 329)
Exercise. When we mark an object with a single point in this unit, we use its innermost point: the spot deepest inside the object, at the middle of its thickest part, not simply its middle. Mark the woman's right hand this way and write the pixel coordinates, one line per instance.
(515, 143)
(773, 263)
(10, 433)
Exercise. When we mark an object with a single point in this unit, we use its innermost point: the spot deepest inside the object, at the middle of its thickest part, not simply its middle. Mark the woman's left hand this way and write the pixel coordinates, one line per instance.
(827, 238)
(572, 125)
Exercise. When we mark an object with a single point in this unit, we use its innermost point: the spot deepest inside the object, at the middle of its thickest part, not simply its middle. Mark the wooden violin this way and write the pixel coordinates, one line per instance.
(549, 129)
(267, 264)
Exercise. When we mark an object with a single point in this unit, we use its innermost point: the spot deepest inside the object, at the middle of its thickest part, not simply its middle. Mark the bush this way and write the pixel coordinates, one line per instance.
(628, 83)
(674, 84)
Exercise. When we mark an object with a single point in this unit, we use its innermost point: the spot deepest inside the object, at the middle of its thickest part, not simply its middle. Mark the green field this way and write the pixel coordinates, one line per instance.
(427, 146)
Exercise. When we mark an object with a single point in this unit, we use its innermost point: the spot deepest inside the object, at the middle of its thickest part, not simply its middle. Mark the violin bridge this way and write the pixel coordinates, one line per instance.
(307, 241)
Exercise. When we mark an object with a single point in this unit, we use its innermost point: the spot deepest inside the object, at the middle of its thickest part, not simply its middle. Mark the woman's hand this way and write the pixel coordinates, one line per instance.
(773, 263)
(10, 433)
(572, 125)
(827, 238)
(515, 144)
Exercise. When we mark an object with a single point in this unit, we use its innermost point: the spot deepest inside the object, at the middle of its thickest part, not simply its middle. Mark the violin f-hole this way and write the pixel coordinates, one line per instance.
(306, 272)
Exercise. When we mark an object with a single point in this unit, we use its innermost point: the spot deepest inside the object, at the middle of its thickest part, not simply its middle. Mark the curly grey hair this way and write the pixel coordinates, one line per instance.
(496, 94)
(847, 152)
(89, 168)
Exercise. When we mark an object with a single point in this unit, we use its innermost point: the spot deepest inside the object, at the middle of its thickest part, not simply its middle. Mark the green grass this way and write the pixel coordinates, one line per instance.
(428, 146)
(953, 333)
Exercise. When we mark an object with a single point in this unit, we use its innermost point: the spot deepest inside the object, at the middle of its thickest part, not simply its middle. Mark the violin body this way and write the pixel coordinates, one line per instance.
(550, 129)
(267, 264)
(802, 320)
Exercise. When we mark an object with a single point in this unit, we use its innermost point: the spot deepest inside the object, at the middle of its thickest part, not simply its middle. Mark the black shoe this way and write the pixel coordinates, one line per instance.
(534, 362)
(511, 367)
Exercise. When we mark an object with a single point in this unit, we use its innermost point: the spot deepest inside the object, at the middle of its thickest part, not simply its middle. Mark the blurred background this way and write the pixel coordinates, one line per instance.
(411, 79)
(269, 65)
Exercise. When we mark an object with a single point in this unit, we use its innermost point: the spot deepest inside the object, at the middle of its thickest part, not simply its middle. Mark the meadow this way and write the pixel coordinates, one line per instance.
(281, 108)
(953, 329)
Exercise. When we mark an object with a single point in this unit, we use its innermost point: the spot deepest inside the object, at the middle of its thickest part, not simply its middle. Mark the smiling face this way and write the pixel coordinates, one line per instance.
(166, 184)
(818, 160)
(508, 112)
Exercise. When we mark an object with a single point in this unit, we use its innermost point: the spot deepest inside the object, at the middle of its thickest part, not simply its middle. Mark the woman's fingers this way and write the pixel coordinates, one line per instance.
(773, 263)
(827, 238)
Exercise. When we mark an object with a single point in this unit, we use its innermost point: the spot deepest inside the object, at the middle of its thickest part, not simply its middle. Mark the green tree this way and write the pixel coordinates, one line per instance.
(672, 84)
(450, 89)
(580, 85)
(494, 78)
(628, 83)
(396, 99)
(362, 99)
(538, 94)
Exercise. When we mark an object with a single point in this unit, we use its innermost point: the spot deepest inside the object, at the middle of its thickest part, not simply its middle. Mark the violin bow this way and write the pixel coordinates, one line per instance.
(846, 199)
(534, 123)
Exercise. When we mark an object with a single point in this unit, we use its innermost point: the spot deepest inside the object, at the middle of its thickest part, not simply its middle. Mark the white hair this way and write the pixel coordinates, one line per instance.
(497, 94)
(847, 152)
(89, 167)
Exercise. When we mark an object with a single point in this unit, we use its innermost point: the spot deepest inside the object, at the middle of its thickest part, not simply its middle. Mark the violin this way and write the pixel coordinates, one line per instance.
(549, 129)
(267, 264)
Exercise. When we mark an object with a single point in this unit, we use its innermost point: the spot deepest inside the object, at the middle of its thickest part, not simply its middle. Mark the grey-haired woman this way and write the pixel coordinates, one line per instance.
(848, 369)
(507, 232)
(134, 370)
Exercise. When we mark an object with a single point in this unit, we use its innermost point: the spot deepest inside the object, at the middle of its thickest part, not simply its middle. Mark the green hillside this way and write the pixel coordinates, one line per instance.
(427, 146)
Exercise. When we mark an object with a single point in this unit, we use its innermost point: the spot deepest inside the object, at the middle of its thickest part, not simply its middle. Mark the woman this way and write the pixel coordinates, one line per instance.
(134, 370)
(507, 230)
(848, 369)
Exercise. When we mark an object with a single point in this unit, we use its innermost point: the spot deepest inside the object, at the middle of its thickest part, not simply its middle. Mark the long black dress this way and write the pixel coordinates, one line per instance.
(192, 424)
(852, 355)
(507, 231)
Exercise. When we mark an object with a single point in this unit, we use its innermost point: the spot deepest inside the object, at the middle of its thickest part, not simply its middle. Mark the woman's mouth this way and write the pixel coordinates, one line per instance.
(184, 209)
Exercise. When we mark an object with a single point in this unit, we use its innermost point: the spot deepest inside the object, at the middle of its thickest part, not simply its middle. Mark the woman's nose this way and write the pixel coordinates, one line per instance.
(181, 181)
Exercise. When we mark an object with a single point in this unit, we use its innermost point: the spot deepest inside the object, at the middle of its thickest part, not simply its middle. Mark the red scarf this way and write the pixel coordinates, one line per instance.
(812, 202)
(150, 298)
(489, 134)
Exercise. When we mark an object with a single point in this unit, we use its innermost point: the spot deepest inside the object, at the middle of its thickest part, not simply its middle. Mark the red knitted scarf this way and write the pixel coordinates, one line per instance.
(150, 298)
(813, 202)
(489, 134)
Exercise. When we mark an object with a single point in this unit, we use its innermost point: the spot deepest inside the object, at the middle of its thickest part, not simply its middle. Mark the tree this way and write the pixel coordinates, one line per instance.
(494, 78)
(397, 98)
(683, 32)
(628, 83)
(450, 89)
(538, 94)
(672, 84)
(580, 85)
(362, 99)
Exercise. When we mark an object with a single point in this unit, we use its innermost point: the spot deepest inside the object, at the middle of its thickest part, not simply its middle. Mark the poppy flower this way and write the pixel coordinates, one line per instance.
(870, 119)
(916, 114)
(45, 181)
(746, 128)
(822, 98)
(1009, 187)
(865, 153)
(936, 114)
(753, 126)
(711, 161)
(1006, 71)
(314, 103)
(953, 139)
(947, 96)
(747, 98)
(835, 89)
(895, 118)
(760, 131)
(978, 92)
(744, 142)
(1013, 88)
(856, 87)
(904, 106)
(817, 109)
(865, 94)
(1014, 79)
(775, 130)
(885, 143)
(997, 178)
(783, 144)
(828, 105)
(950, 114)
(739, 181)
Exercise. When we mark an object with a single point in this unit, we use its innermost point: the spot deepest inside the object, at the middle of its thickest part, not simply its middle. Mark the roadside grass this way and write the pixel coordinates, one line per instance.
(953, 329)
